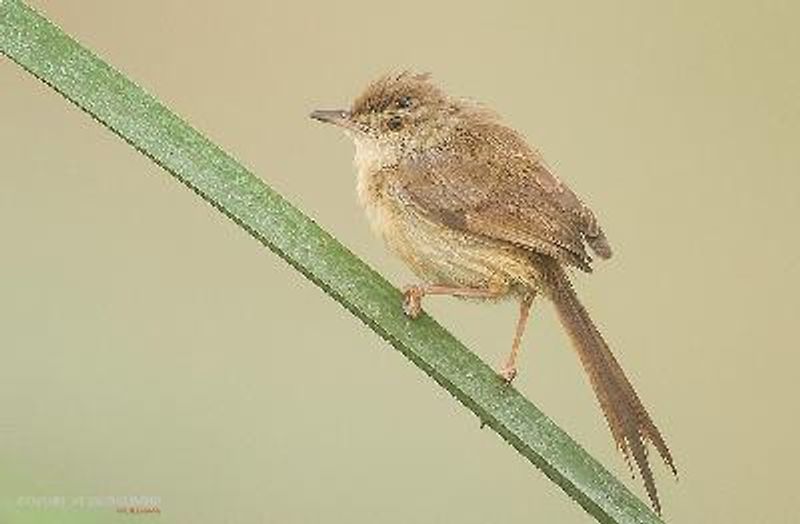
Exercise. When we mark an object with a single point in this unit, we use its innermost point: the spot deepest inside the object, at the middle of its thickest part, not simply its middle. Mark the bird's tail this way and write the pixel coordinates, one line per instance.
(630, 424)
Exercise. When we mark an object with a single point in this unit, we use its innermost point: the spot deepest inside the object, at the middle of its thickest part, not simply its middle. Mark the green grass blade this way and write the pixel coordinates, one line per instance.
(45, 51)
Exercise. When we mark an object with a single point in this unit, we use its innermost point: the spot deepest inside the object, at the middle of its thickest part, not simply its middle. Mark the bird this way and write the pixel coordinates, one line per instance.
(476, 213)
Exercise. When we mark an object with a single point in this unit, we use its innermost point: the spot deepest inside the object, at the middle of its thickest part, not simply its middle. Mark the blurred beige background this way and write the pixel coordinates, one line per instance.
(151, 347)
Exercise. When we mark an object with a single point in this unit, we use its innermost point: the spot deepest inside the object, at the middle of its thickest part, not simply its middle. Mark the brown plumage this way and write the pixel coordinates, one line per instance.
(475, 212)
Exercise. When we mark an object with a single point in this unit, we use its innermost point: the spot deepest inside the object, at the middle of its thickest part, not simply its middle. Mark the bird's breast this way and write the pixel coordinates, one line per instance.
(370, 161)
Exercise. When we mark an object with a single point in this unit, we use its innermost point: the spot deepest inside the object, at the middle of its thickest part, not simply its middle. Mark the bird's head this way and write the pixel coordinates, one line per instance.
(398, 115)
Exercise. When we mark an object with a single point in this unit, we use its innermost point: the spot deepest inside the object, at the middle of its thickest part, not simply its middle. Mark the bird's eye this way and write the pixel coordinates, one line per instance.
(395, 123)
(404, 102)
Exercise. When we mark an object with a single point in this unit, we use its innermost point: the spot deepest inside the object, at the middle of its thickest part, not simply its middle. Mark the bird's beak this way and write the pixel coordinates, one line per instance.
(337, 117)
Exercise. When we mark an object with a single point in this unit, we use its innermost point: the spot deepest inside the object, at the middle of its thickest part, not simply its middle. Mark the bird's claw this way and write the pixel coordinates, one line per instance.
(412, 301)
(508, 373)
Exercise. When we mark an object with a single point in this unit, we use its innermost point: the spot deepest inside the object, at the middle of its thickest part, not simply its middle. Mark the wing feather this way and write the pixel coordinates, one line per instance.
(491, 183)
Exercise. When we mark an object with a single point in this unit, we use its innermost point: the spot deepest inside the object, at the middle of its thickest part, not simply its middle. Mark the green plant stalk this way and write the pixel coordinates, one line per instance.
(48, 53)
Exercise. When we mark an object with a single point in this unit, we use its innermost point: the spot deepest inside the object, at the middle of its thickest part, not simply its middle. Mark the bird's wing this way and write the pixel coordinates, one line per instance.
(495, 186)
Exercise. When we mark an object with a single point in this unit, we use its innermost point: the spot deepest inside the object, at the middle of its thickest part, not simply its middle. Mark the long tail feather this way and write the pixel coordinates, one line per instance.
(630, 424)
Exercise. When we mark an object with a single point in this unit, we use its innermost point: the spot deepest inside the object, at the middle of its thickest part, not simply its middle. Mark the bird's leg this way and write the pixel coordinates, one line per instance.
(509, 370)
(412, 295)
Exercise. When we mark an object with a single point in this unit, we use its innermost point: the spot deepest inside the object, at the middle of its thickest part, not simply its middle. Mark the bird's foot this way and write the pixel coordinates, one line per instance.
(508, 373)
(412, 301)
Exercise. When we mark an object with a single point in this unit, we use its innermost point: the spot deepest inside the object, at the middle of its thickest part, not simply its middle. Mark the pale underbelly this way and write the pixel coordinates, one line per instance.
(443, 256)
